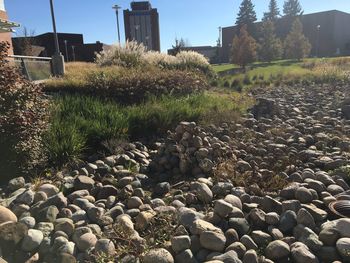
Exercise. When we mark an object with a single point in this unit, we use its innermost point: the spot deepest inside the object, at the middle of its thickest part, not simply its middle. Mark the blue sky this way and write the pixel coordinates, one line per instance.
(194, 20)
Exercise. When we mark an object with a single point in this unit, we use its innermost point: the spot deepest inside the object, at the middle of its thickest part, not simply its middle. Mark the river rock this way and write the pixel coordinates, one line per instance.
(277, 250)
(160, 255)
(32, 240)
(6, 215)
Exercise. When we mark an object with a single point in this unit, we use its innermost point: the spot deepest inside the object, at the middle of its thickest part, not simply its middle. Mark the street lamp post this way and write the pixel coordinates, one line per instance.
(220, 30)
(57, 47)
(147, 42)
(66, 47)
(73, 49)
(117, 7)
(318, 41)
(137, 27)
(57, 58)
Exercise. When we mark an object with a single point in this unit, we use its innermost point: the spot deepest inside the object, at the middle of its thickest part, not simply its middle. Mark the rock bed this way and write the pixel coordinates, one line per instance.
(286, 162)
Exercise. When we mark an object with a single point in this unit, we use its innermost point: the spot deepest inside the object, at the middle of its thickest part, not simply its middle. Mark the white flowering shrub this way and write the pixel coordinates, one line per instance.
(127, 55)
(132, 54)
(160, 60)
(193, 60)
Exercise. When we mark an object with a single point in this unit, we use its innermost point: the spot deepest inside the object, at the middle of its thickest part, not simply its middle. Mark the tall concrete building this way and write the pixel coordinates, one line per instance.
(142, 24)
(5, 26)
(328, 33)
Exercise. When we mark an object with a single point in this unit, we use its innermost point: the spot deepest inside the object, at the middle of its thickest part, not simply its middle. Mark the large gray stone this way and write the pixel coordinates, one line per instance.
(180, 243)
(222, 208)
(86, 241)
(277, 250)
(105, 246)
(213, 241)
(159, 255)
(301, 254)
(204, 193)
(343, 247)
(32, 240)
(6, 215)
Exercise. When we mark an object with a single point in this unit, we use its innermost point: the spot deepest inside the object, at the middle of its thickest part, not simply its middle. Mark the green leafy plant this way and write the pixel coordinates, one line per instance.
(23, 118)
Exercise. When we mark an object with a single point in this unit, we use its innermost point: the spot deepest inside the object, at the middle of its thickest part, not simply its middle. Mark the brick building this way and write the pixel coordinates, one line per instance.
(76, 49)
(142, 25)
(5, 26)
(332, 39)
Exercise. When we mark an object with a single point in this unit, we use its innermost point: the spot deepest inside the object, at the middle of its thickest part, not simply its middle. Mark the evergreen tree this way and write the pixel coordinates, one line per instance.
(246, 16)
(296, 45)
(273, 12)
(243, 48)
(292, 8)
(270, 47)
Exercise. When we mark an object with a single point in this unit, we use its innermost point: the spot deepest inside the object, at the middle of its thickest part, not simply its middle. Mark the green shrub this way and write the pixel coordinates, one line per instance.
(214, 83)
(238, 88)
(246, 80)
(235, 83)
(23, 118)
(132, 85)
(226, 84)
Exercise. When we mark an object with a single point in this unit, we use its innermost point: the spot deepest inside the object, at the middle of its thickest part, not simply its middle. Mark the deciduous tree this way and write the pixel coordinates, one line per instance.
(24, 44)
(178, 47)
(243, 48)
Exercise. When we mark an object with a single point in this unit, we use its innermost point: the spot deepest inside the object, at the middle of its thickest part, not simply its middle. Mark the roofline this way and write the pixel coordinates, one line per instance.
(317, 13)
(59, 33)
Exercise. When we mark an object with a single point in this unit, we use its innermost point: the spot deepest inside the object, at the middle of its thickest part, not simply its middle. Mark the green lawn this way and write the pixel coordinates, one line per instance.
(260, 73)
(224, 67)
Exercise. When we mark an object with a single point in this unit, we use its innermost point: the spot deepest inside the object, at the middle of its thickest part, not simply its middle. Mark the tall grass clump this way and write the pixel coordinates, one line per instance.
(133, 54)
(127, 55)
(191, 60)
(160, 60)
(81, 124)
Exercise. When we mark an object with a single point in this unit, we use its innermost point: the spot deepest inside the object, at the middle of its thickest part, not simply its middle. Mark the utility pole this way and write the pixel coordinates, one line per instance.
(116, 8)
(57, 47)
(73, 49)
(147, 43)
(57, 58)
(137, 27)
(65, 44)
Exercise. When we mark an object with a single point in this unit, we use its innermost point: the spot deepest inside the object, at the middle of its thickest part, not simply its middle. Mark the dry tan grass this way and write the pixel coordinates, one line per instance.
(251, 181)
